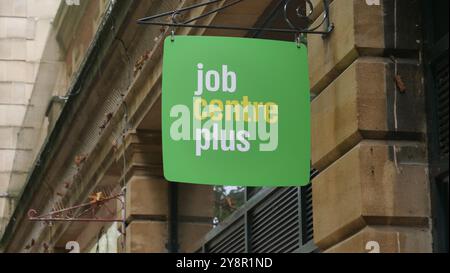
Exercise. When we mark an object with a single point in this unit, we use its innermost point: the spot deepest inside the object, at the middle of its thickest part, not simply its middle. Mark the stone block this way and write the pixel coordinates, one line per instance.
(13, 49)
(15, 93)
(147, 196)
(4, 181)
(12, 115)
(386, 240)
(13, 27)
(18, 71)
(6, 160)
(195, 200)
(190, 236)
(364, 102)
(146, 237)
(376, 183)
(8, 137)
(14, 8)
(361, 29)
(42, 8)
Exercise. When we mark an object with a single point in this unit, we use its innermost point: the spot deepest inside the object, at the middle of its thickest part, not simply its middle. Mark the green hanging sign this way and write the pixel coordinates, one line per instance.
(235, 111)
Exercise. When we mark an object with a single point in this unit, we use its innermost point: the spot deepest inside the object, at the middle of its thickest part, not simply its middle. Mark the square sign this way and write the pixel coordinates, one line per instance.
(235, 111)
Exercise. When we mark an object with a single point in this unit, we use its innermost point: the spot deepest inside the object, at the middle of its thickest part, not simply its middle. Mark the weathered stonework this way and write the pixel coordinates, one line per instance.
(367, 134)
(363, 102)
(146, 196)
(378, 183)
(368, 129)
(389, 240)
(146, 237)
(361, 30)
(24, 29)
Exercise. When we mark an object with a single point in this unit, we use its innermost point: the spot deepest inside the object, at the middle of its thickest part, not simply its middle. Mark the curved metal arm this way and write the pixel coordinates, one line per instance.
(306, 15)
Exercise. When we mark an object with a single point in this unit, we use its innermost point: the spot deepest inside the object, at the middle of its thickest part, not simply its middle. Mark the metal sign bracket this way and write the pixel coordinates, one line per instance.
(172, 19)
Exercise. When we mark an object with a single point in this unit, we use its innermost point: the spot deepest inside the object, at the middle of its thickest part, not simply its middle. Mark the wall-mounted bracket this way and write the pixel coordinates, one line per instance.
(172, 18)
(82, 213)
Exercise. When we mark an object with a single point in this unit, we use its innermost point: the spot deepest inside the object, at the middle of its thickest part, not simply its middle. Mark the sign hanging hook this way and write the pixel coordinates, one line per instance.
(298, 40)
(175, 22)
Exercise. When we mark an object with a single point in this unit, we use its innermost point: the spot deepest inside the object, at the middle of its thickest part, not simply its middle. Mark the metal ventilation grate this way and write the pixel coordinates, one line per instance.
(275, 220)
(307, 207)
(275, 223)
(231, 240)
(441, 84)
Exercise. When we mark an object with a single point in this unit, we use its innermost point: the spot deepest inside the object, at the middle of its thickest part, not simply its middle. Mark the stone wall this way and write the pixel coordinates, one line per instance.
(24, 28)
(368, 130)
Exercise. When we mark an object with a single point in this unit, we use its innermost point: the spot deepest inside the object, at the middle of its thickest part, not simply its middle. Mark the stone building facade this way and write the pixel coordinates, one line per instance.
(24, 28)
(373, 184)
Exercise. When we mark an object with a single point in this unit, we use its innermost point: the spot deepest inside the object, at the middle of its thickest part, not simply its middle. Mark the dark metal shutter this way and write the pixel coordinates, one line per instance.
(307, 207)
(442, 92)
(439, 174)
(231, 240)
(275, 223)
(437, 94)
(275, 220)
